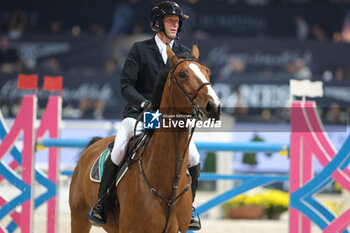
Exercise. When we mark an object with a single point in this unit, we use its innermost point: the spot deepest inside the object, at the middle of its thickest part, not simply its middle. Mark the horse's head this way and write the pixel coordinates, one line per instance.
(191, 88)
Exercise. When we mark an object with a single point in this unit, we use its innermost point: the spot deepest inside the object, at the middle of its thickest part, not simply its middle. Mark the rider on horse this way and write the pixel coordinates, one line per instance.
(139, 74)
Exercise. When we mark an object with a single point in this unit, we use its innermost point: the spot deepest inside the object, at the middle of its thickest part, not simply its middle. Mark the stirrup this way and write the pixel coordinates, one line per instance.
(195, 225)
(95, 218)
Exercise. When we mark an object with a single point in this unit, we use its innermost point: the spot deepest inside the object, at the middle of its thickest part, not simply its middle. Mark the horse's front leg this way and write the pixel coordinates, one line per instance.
(79, 221)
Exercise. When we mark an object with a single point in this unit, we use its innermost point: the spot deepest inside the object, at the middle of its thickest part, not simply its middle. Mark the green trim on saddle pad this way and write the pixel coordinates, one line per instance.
(103, 158)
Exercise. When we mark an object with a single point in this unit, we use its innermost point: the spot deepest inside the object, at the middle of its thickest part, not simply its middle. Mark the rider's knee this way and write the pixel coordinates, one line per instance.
(194, 157)
(128, 125)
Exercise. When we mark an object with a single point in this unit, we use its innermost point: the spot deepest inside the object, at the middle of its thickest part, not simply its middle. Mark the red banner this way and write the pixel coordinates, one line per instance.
(53, 83)
(27, 81)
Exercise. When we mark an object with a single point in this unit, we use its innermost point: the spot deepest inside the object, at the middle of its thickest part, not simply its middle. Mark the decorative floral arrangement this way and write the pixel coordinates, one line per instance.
(274, 202)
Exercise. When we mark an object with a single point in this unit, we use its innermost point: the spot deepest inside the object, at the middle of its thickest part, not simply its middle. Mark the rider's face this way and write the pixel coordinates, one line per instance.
(171, 24)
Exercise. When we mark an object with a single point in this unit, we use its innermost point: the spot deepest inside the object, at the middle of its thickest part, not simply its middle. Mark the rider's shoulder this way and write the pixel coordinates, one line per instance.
(143, 43)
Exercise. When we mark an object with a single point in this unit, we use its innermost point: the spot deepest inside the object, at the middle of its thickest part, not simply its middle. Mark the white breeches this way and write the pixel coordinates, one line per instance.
(126, 131)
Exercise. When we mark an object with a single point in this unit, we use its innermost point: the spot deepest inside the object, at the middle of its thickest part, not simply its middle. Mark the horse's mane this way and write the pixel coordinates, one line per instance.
(161, 79)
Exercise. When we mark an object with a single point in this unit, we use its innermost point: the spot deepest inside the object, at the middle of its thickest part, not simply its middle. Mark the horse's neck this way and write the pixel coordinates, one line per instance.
(175, 138)
(167, 150)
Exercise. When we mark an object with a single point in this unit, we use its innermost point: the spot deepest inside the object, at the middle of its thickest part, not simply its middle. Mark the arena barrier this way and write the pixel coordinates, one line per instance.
(308, 138)
(209, 146)
(24, 159)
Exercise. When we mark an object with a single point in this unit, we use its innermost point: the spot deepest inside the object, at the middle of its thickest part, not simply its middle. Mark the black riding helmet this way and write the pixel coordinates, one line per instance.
(166, 8)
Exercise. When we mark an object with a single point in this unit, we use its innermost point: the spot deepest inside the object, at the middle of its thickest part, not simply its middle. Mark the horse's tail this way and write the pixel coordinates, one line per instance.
(92, 141)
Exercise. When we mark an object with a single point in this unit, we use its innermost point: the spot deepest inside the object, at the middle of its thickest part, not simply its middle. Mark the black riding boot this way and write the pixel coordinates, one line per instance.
(195, 223)
(98, 213)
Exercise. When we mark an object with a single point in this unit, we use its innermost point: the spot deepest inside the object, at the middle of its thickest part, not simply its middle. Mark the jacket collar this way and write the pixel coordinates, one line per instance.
(153, 45)
(160, 44)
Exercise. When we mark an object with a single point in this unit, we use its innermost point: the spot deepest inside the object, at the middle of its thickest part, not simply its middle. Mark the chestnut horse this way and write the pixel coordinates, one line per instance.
(155, 196)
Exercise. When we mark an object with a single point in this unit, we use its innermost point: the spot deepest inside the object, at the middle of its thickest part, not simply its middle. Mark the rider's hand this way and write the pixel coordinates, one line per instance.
(146, 105)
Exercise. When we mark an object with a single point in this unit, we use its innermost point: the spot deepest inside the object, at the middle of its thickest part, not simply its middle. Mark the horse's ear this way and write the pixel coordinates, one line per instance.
(171, 55)
(195, 51)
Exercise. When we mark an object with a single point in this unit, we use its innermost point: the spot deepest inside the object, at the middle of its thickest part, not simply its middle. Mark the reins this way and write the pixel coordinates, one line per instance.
(170, 202)
(179, 162)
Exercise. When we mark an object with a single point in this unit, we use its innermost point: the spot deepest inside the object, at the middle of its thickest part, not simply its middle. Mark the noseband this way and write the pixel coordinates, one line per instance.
(189, 97)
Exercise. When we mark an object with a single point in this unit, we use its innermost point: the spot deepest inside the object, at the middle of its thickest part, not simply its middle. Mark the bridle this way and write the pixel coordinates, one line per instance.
(189, 97)
(179, 163)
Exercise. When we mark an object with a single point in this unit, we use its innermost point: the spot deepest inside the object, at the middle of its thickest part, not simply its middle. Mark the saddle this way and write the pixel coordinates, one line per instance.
(135, 143)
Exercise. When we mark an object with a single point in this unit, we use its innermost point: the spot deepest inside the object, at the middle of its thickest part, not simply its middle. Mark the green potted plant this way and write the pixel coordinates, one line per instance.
(249, 158)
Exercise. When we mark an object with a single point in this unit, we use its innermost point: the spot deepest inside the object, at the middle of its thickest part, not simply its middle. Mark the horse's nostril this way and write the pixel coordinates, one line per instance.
(210, 107)
(213, 110)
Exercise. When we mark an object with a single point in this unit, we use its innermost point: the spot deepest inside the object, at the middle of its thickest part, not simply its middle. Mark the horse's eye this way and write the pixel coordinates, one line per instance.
(182, 75)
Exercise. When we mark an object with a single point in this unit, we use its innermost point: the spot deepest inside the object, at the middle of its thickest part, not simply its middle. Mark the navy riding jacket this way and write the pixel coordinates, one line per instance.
(140, 71)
